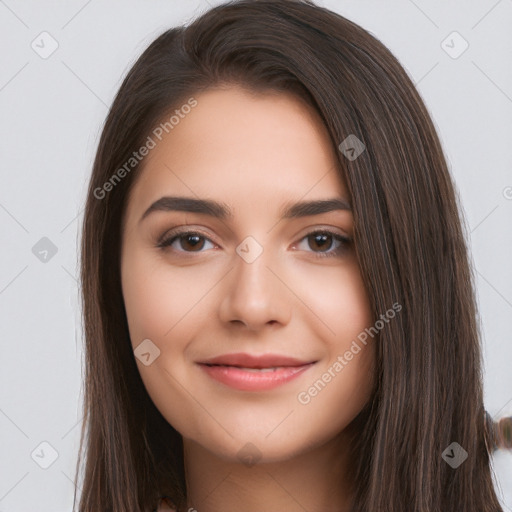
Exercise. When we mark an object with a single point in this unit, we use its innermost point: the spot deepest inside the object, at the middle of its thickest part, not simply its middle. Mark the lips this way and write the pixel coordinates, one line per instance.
(247, 372)
(263, 361)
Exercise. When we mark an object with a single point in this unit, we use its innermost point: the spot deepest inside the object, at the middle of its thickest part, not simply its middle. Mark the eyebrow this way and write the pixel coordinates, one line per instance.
(222, 211)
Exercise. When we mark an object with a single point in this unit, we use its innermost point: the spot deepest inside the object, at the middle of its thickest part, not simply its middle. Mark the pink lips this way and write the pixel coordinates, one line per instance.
(254, 373)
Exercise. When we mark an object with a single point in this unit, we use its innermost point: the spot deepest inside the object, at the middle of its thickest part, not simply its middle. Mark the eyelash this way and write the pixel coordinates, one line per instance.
(345, 241)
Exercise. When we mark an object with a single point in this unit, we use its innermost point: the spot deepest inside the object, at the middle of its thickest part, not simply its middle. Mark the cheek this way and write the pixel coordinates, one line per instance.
(145, 301)
(335, 401)
(338, 299)
(160, 307)
(341, 304)
(156, 299)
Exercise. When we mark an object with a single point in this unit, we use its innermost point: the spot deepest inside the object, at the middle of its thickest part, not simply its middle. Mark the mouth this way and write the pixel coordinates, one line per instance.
(247, 369)
(254, 373)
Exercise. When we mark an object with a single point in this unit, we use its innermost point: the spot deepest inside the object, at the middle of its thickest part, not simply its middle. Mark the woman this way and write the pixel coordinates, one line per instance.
(279, 312)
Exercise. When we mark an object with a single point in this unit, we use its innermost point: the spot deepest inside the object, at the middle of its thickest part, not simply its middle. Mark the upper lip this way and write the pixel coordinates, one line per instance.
(255, 361)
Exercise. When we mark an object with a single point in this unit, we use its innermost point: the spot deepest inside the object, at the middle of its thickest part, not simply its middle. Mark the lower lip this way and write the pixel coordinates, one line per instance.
(246, 380)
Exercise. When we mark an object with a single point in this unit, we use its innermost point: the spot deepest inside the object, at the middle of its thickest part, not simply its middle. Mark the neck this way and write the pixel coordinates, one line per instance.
(317, 481)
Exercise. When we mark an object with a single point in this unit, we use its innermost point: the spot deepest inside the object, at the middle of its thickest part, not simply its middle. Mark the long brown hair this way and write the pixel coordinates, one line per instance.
(408, 237)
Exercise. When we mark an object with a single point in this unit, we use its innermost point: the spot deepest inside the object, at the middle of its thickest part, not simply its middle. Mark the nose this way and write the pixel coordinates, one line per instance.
(254, 294)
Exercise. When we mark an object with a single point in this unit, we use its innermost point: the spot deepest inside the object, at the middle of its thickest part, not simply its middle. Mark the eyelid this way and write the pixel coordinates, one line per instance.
(183, 230)
(326, 229)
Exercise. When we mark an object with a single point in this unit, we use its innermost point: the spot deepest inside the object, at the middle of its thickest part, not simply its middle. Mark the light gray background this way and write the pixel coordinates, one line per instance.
(51, 114)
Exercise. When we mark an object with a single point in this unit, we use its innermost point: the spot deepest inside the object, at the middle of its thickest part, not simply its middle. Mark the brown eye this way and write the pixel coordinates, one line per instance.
(188, 241)
(191, 242)
(322, 241)
(326, 243)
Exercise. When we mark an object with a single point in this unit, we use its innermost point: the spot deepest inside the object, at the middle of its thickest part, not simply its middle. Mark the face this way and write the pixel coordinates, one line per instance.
(246, 310)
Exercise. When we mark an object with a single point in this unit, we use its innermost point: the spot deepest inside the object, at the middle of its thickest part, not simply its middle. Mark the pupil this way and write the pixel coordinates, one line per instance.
(321, 239)
(196, 243)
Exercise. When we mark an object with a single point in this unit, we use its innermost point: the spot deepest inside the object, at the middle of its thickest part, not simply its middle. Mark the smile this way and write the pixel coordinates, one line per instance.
(253, 379)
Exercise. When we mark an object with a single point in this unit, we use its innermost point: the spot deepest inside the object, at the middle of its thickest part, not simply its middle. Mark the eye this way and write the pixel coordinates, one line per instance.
(324, 242)
(328, 242)
(189, 241)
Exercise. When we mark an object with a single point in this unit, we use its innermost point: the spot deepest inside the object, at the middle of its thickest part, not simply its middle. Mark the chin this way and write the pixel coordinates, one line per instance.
(253, 445)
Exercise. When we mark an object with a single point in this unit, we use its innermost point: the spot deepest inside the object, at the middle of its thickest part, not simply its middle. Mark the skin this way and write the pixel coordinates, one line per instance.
(254, 153)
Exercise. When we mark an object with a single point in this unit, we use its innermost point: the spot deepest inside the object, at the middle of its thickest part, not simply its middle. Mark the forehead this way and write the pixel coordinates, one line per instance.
(238, 146)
